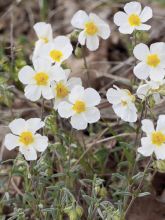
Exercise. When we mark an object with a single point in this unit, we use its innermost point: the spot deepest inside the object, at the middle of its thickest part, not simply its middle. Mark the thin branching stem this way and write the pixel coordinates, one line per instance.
(137, 191)
(86, 67)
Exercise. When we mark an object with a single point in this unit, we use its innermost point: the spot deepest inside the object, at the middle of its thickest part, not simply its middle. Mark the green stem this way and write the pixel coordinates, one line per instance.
(137, 191)
(86, 67)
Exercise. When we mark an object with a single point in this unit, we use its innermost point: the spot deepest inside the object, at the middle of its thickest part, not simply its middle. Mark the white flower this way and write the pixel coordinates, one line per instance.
(57, 51)
(81, 107)
(152, 61)
(92, 28)
(38, 80)
(122, 103)
(61, 88)
(25, 137)
(150, 88)
(44, 34)
(133, 18)
(155, 140)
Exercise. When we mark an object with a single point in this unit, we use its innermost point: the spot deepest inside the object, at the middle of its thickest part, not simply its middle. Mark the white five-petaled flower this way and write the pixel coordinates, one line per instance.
(38, 80)
(154, 142)
(92, 28)
(62, 88)
(44, 34)
(57, 51)
(122, 103)
(152, 61)
(133, 18)
(81, 107)
(151, 88)
(25, 137)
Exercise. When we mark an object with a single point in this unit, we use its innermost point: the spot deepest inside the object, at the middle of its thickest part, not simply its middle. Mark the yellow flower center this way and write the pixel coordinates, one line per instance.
(153, 60)
(91, 28)
(56, 55)
(26, 138)
(61, 90)
(79, 106)
(41, 78)
(158, 138)
(134, 20)
(44, 39)
(124, 103)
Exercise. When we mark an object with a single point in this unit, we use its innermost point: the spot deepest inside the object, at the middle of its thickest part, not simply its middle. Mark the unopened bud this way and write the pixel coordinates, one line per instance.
(74, 36)
(73, 215)
(78, 52)
(97, 189)
(79, 210)
(160, 165)
(103, 192)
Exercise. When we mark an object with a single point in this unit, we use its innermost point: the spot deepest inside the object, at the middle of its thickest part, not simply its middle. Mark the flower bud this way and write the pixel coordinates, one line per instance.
(162, 90)
(160, 165)
(103, 192)
(74, 36)
(79, 211)
(73, 215)
(97, 189)
(78, 52)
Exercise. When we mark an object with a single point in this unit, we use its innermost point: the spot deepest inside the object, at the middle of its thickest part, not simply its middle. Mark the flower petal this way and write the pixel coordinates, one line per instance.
(92, 115)
(29, 153)
(11, 141)
(43, 30)
(33, 92)
(34, 124)
(17, 126)
(120, 18)
(79, 19)
(78, 122)
(147, 148)
(142, 91)
(82, 38)
(91, 97)
(92, 43)
(158, 48)
(67, 51)
(26, 74)
(47, 92)
(146, 151)
(132, 7)
(41, 64)
(57, 73)
(146, 14)
(104, 29)
(161, 123)
(160, 152)
(147, 126)
(41, 142)
(126, 29)
(38, 46)
(141, 51)
(143, 27)
(73, 81)
(141, 70)
(63, 43)
(65, 109)
(114, 96)
(76, 93)
(157, 74)
(127, 114)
